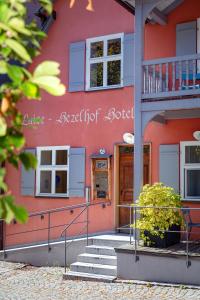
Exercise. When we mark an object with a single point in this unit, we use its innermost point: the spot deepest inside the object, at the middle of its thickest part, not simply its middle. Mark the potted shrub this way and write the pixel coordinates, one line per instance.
(153, 219)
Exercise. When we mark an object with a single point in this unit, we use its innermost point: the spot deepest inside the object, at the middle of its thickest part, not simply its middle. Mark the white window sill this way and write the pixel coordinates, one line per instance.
(52, 195)
(104, 88)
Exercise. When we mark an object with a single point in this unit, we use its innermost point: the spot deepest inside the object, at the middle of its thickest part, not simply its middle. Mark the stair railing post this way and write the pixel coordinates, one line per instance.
(65, 252)
(135, 234)
(130, 219)
(4, 241)
(87, 192)
(188, 262)
(49, 228)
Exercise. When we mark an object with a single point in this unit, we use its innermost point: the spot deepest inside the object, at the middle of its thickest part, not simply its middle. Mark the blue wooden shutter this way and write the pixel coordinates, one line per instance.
(28, 178)
(169, 165)
(186, 42)
(77, 67)
(77, 172)
(128, 61)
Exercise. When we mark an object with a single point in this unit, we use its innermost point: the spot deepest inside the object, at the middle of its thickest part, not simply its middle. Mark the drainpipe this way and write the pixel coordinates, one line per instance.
(138, 146)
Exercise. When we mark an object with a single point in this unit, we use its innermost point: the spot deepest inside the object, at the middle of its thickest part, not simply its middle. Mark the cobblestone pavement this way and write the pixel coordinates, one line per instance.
(20, 282)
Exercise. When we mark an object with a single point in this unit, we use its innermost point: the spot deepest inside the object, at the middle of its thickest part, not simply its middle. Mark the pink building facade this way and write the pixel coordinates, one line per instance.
(78, 138)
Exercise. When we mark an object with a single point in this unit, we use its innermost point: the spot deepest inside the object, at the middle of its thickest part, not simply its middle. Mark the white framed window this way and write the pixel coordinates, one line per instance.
(52, 174)
(190, 170)
(104, 62)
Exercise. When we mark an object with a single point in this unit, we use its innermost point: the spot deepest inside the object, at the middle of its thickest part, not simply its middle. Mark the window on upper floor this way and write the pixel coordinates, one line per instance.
(52, 177)
(190, 170)
(104, 62)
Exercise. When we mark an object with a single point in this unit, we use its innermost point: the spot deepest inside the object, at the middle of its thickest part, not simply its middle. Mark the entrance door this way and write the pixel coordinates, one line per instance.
(1, 235)
(126, 177)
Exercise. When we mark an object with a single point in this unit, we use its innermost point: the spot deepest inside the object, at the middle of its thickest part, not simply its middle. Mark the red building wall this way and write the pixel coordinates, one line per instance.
(102, 117)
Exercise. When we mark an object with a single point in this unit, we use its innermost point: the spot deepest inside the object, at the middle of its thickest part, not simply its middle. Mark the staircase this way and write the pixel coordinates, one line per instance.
(99, 262)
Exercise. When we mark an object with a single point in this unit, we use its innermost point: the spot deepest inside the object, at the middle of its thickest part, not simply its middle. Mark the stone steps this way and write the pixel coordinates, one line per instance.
(98, 259)
(99, 262)
(101, 250)
(91, 268)
(110, 241)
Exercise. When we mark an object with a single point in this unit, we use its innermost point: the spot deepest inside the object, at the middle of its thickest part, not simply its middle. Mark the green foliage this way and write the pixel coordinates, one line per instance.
(20, 42)
(152, 219)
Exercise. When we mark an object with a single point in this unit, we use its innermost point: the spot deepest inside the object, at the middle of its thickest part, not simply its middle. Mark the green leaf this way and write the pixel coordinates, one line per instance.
(47, 5)
(3, 155)
(9, 214)
(2, 173)
(51, 84)
(18, 49)
(29, 160)
(40, 34)
(19, 25)
(8, 29)
(3, 186)
(30, 90)
(47, 68)
(20, 8)
(27, 73)
(18, 119)
(9, 210)
(16, 139)
(3, 126)
(14, 160)
(20, 214)
(15, 73)
(5, 52)
(4, 11)
(3, 67)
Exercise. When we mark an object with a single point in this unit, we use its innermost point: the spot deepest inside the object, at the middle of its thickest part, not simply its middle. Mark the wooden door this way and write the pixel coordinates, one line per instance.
(126, 186)
(126, 178)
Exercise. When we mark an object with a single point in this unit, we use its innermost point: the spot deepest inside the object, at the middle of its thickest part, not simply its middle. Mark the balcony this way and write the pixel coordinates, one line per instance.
(171, 78)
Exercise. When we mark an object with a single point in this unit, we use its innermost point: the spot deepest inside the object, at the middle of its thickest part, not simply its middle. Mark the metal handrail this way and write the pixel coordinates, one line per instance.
(44, 212)
(157, 207)
(50, 212)
(72, 222)
(86, 222)
(82, 229)
(56, 210)
(49, 227)
(133, 229)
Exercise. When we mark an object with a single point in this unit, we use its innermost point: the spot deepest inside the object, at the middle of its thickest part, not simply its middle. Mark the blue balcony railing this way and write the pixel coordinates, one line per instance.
(171, 77)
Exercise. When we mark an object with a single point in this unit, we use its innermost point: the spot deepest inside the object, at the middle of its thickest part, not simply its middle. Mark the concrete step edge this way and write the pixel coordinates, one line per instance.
(111, 243)
(112, 237)
(101, 250)
(91, 265)
(72, 275)
(100, 247)
(100, 256)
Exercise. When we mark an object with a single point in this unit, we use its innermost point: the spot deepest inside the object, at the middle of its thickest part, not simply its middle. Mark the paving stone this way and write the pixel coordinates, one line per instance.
(20, 282)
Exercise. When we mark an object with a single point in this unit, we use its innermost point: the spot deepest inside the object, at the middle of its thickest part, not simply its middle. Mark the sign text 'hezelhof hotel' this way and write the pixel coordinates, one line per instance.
(85, 116)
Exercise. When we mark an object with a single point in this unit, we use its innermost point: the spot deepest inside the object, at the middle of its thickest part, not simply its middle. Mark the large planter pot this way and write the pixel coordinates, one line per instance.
(169, 239)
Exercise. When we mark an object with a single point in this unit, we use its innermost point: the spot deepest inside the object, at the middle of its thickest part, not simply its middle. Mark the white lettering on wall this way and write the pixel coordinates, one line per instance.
(32, 120)
(84, 116)
(114, 114)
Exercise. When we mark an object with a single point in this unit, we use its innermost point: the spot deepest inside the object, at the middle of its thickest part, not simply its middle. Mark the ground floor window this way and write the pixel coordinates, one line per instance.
(190, 170)
(52, 172)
